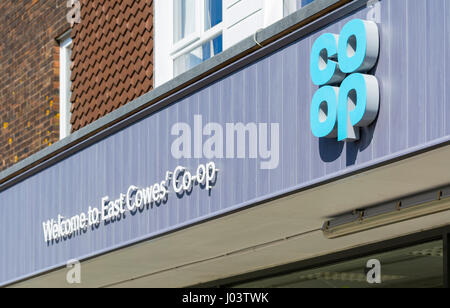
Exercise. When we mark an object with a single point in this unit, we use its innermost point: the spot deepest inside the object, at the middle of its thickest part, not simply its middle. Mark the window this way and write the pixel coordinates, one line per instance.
(197, 32)
(189, 32)
(419, 266)
(184, 19)
(65, 52)
(213, 13)
(200, 54)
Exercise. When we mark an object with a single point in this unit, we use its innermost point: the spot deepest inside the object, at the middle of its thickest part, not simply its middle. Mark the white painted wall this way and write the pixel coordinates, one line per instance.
(244, 17)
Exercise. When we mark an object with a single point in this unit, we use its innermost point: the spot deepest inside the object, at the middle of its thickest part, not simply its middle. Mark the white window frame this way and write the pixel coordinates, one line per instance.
(190, 38)
(199, 37)
(166, 51)
(65, 46)
(206, 36)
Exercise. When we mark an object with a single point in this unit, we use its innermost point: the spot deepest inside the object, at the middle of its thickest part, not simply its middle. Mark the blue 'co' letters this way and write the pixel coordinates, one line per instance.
(343, 103)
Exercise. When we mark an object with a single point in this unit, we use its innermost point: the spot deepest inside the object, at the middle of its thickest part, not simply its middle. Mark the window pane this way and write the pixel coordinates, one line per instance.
(306, 2)
(184, 16)
(197, 56)
(213, 13)
(418, 266)
(212, 48)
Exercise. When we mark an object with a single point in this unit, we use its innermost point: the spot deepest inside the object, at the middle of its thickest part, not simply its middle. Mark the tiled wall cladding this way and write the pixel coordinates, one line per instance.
(29, 76)
(112, 57)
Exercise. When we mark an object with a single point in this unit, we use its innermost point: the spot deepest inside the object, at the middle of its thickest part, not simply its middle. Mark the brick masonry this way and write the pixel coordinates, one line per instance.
(112, 57)
(29, 76)
(112, 64)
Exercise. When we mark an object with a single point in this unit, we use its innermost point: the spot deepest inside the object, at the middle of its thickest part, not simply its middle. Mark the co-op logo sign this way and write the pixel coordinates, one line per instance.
(348, 97)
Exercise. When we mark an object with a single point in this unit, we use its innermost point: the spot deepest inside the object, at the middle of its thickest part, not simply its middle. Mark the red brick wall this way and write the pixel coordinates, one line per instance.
(29, 78)
(112, 57)
(112, 54)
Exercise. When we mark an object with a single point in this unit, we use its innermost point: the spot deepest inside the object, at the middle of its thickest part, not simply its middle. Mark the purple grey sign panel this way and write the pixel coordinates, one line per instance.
(253, 124)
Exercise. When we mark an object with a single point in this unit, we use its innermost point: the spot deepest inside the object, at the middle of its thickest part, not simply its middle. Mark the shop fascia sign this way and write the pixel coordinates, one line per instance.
(180, 181)
(347, 99)
(348, 96)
